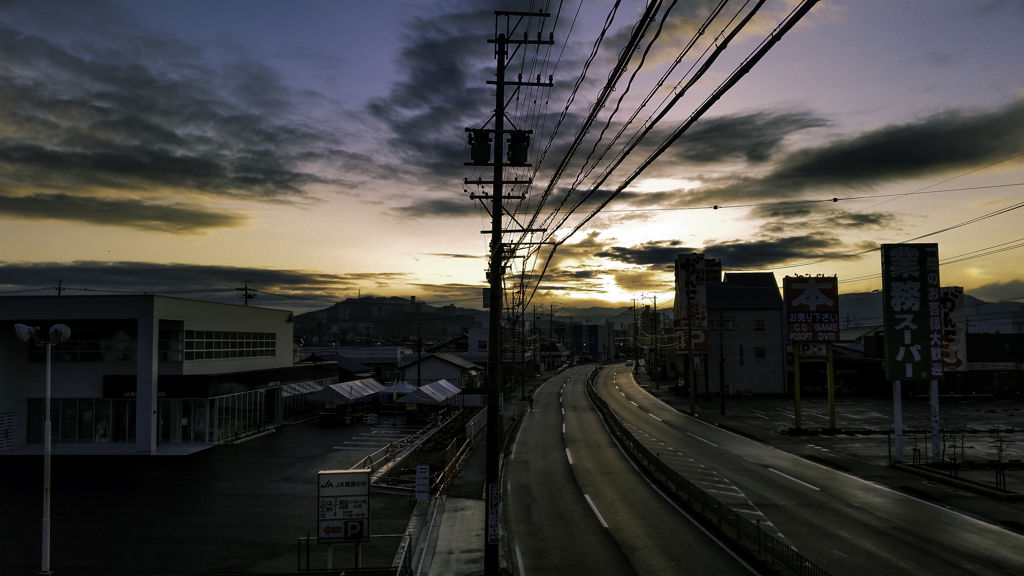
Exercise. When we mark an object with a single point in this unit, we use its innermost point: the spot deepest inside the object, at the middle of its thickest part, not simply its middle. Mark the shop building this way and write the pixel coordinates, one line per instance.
(151, 369)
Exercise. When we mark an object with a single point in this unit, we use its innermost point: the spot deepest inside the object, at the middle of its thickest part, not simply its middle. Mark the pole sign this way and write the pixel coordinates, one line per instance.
(812, 308)
(912, 313)
(558, 328)
(954, 332)
(691, 304)
(343, 508)
(492, 513)
(423, 482)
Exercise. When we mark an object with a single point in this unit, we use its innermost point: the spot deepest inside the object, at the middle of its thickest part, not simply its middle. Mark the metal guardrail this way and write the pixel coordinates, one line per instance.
(765, 545)
(375, 554)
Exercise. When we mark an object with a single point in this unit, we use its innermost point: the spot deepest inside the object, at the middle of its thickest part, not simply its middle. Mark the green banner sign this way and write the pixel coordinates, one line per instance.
(912, 313)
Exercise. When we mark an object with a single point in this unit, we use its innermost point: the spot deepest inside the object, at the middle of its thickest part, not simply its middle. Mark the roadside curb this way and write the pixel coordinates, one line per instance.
(960, 483)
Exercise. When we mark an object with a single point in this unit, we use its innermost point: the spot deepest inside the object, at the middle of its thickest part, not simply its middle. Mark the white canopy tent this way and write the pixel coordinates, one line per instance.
(400, 388)
(349, 391)
(433, 393)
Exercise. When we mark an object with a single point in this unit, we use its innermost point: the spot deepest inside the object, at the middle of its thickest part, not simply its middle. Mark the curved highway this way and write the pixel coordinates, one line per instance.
(844, 524)
(574, 504)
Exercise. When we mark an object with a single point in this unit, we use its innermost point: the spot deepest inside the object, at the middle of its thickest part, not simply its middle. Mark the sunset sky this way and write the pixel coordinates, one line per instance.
(316, 148)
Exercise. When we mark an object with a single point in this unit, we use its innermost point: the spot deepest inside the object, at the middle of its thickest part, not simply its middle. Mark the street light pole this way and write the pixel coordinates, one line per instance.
(47, 449)
(58, 333)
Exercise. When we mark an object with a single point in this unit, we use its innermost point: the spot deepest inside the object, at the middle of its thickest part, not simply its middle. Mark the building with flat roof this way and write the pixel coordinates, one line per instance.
(146, 369)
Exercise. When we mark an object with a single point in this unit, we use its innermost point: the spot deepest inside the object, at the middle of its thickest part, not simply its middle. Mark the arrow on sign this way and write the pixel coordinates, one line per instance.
(329, 529)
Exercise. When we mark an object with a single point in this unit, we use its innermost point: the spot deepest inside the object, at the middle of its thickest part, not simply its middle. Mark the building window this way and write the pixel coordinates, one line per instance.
(715, 324)
(759, 352)
(759, 325)
(727, 323)
(211, 345)
(481, 345)
(741, 354)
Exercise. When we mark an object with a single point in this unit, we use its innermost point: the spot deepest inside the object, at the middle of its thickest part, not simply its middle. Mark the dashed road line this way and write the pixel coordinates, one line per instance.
(794, 479)
(594, 508)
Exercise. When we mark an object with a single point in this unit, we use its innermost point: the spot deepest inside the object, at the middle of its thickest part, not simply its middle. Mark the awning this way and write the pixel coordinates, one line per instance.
(299, 388)
(349, 391)
(433, 393)
(400, 388)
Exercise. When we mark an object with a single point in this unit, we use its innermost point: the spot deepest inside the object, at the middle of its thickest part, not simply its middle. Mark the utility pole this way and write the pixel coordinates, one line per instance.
(656, 338)
(481, 155)
(636, 342)
(60, 287)
(247, 293)
(551, 324)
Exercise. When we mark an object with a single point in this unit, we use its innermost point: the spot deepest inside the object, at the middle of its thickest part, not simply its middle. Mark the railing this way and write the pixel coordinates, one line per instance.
(377, 554)
(765, 545)
(383, 455)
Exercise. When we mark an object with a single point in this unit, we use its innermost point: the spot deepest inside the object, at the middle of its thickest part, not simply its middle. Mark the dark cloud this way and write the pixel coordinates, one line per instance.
(455, 256)
(936, 145)
(784, 220)
(290, 289)
(655, 253)
(755, 137)
(173, 218)
(122, 120)
(761, 254)
(997, 291)
(439, 207)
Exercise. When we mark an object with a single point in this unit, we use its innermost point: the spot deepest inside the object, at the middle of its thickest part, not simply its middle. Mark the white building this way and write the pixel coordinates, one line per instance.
(147, 369)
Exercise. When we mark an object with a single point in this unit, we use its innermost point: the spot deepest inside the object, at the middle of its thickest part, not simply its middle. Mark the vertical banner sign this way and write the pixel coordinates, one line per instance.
(912, 313)
(492, 513)
(812, 309)
(423, 482)
(343, 507)
(691, 304)
(954, 334)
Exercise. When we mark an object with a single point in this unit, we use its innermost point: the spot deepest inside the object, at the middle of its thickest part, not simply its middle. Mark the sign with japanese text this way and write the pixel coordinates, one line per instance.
(911, 311)
(954, 329)
(691, 304)
(343, 504)
(423, 482)
(493, 503)
(559, 327)
(812, 308)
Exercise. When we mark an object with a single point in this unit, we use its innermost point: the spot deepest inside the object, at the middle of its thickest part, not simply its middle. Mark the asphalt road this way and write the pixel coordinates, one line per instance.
(576, 505)
(844, 524)
(223, 510)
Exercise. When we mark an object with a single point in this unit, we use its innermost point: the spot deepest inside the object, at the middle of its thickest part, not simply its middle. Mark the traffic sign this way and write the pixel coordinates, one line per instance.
(343, 507)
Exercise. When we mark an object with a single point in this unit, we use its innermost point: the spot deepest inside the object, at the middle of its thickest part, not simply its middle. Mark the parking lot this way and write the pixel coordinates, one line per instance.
(227, 509)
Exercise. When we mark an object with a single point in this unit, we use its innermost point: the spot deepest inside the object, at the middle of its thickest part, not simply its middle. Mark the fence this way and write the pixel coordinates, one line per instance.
(377, 554)
(768, 547)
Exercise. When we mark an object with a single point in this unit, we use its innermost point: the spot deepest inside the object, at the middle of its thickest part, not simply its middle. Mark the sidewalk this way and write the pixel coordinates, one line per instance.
(459, 546)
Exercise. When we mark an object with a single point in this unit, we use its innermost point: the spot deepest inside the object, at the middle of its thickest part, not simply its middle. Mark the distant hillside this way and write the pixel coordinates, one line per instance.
(861, 308)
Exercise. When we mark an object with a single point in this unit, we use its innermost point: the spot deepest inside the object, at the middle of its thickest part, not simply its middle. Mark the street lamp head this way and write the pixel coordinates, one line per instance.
(26, 333)
(59, 333)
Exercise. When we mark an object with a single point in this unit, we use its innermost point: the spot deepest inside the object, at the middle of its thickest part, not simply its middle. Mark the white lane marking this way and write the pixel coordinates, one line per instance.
(567, 455)
(794, 479)
(563, 427)
(594, 508)
(623, 394)
(702, 440)
(634, 403)
(559, 398)
(520, 557)
(674, 505)
(563, 411)
(660, 420)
